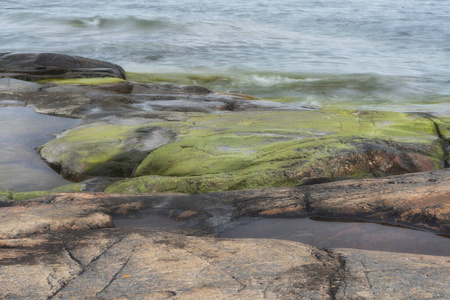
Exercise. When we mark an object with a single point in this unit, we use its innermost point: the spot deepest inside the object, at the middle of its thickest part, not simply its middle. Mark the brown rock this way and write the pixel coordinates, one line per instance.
(420, 200)
(154, 264)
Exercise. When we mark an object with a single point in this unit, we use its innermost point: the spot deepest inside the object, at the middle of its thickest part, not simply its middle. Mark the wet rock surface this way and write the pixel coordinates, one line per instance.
(35, 66)
(63, 246)
(198, 153)
(203, 141)
(188, 139)
(419, 200)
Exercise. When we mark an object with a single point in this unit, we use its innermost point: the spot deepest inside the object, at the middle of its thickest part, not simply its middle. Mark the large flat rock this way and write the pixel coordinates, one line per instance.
(131, 264)
(153, 264)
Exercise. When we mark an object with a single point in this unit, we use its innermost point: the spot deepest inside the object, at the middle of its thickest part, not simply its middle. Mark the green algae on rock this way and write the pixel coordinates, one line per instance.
(103, 149)
(443, 125)
(263, 149)
(16, 196)
(84, 81)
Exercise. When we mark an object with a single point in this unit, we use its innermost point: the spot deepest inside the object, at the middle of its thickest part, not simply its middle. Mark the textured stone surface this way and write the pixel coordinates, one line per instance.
(419, 200)
(381, 275)
(156, 265)
(153, 264)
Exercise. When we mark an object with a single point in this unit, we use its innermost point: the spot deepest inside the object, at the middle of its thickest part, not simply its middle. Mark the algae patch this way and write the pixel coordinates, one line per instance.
(83, 81)
(263, 149)
(242, 150)
(103, 149)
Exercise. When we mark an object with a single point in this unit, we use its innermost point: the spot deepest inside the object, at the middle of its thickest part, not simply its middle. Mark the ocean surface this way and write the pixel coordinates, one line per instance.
(378, 54)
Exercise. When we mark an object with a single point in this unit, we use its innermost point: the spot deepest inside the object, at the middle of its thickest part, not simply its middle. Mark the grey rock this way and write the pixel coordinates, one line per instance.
(10, 85)
(163, 89)
(52, 65)
(381, 275)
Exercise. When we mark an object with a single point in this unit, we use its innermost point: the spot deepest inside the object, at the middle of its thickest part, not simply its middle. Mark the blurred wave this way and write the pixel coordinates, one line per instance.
(129, 22)
(368, 91)
(324, 52)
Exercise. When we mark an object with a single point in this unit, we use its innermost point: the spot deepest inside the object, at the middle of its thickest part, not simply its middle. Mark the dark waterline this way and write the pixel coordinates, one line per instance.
(21, 131)
(325, 234)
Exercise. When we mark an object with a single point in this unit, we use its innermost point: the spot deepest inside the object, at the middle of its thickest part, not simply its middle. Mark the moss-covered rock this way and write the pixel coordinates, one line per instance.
(103, 149)
(261, 149)
(239, 150)
(68, 188)
(443, 124)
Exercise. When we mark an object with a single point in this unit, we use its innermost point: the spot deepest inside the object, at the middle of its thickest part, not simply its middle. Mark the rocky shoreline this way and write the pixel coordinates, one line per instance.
(188, 153)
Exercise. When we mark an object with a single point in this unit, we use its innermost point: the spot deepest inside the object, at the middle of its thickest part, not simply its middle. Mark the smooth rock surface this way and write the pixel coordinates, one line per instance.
(11, 85)
(201, 152)
(103, 150)
(265, 149)
(52, 65)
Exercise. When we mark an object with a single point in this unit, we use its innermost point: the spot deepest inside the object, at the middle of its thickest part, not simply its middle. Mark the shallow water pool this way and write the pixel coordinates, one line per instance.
(338, 234)
(325, 234)
(21, 131)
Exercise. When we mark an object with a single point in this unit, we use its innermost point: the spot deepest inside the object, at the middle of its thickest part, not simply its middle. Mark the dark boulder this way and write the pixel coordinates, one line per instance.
(36, 66)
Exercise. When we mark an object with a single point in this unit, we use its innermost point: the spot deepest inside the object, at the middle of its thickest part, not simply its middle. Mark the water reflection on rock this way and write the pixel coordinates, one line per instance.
(368, 236)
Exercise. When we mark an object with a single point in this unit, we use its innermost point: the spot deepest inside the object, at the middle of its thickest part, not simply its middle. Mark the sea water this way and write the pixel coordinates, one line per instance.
(379, 54)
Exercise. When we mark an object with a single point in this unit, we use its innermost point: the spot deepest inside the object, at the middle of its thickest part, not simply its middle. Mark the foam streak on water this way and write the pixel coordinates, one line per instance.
(401, 45)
